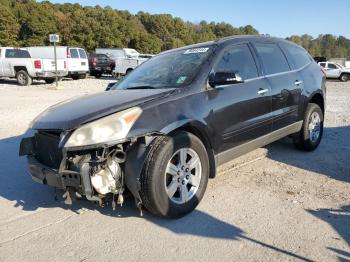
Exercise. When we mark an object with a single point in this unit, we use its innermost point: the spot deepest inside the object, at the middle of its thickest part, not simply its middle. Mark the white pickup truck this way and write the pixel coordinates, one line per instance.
(336, 71)
(126, 59)
(18, 63)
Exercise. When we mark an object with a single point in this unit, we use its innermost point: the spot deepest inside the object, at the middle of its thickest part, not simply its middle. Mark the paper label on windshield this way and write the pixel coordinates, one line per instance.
(196, 50)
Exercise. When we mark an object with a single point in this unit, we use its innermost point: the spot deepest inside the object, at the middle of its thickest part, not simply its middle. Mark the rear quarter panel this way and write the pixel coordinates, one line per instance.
(314, 83)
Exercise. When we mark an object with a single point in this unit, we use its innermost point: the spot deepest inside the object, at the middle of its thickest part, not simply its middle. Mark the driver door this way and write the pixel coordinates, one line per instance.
(241, 111)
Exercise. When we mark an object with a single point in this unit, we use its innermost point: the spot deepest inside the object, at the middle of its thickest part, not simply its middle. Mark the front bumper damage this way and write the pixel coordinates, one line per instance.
(77, 172)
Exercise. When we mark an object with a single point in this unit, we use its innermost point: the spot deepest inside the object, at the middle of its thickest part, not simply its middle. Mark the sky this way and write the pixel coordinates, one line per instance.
(279, 18)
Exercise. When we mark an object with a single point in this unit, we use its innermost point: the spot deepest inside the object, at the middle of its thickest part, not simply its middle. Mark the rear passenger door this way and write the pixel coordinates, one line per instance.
(332, 70)
(73, 61)
(286, 85)
(83, 61)
(241, 111)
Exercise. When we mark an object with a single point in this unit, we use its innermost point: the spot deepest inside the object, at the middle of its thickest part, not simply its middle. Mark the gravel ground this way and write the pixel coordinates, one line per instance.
(273, 204)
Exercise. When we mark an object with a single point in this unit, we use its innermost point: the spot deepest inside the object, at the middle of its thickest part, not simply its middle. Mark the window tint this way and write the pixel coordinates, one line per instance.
(74, 53)
(82, 53)
(323, 64)
(238, 59)
(17, 53)
(332, 66)
(272, 57)
(296, 55)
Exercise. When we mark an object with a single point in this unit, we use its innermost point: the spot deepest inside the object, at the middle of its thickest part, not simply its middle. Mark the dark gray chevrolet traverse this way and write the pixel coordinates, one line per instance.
(161, 132)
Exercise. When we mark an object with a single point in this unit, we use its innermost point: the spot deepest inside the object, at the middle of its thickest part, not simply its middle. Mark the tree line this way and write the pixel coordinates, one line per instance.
(28, 23)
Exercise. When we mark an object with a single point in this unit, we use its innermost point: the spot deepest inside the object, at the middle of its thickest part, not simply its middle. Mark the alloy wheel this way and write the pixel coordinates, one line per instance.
(183, 175)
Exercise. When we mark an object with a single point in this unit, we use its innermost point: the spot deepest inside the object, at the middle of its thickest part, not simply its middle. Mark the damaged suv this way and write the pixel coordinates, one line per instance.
(161, 132)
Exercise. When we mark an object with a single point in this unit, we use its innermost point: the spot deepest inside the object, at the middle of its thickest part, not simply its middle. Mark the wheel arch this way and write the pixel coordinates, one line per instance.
(318, 99)
(19, 68)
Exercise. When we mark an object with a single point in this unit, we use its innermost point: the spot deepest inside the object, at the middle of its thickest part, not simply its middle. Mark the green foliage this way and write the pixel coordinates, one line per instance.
(9, 26)
(28, 23)
(327, 45)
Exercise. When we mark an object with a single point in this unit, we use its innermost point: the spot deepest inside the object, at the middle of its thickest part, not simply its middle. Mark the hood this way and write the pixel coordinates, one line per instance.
(75, 112)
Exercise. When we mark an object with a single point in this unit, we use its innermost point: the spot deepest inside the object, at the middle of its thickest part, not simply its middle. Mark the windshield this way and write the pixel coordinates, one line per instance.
(169, 70)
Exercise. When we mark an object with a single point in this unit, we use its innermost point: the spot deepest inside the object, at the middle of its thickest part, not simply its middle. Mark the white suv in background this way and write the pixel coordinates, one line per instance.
(76, 61)
(336, 71)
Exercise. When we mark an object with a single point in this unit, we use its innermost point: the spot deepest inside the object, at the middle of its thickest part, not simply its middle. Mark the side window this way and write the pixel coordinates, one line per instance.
(272, 58)
(74, 53)
(332, 66)
(82, 53)
(296, 55)
(17, 53)
(238, 59)
(323, 65)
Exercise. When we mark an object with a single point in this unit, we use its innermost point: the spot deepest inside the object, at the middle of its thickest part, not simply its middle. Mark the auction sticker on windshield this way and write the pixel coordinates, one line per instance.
(196, 50)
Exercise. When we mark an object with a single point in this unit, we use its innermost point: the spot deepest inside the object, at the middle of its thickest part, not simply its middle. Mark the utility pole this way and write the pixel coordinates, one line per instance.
(54, 38)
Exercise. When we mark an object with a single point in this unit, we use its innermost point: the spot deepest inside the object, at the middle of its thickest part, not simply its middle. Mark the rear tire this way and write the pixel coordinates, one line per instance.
(82, 76)
(23, 79)
(345, 77)
(172, 185)
(311, 132)
(98, 75)
(75, 77)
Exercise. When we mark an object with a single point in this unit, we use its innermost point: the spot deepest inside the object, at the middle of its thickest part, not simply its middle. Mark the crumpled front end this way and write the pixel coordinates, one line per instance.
(101, 173)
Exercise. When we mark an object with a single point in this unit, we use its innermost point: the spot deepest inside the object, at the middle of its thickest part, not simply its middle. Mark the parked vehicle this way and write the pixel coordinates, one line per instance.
(126, 59)
(162, 131)
(336, 71)
(100, 64)
(22, 65)
(76, 59)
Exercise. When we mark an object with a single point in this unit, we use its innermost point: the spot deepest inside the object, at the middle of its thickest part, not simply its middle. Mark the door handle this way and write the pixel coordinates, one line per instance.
(297, 82)
(262, 91)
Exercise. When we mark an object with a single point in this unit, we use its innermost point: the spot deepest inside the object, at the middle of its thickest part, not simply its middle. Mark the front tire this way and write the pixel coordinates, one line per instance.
(311, 132)
(345, 77)
(23, 79)
(175, 175)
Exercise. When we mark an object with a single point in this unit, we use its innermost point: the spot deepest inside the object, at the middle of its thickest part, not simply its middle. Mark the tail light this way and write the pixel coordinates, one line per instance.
(94, 61)
(37, 64)
(68, 54)
(65, 64)
(323, 71)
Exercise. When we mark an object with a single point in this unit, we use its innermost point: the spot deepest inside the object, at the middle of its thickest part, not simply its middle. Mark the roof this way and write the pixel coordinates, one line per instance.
(232, 39)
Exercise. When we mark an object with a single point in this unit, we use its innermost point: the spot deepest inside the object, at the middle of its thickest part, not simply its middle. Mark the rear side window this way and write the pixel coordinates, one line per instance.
(74, 53)
(238, 59)
(332, 66)
(82, 53)
(323, 65)
(296, 55)
(17, 53)
(272, 58)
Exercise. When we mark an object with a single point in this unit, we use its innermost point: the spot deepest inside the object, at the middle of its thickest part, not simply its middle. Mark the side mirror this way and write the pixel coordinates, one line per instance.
(224, 78)
(110, 85)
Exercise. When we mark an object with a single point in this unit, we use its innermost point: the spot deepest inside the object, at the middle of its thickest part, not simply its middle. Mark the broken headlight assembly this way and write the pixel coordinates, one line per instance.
(105, 130)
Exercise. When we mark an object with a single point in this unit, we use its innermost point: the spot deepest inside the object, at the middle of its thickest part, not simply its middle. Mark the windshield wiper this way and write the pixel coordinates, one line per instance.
(141, 87)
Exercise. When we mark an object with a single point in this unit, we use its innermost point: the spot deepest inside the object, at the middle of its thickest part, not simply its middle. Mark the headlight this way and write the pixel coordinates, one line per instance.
(107, 129)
